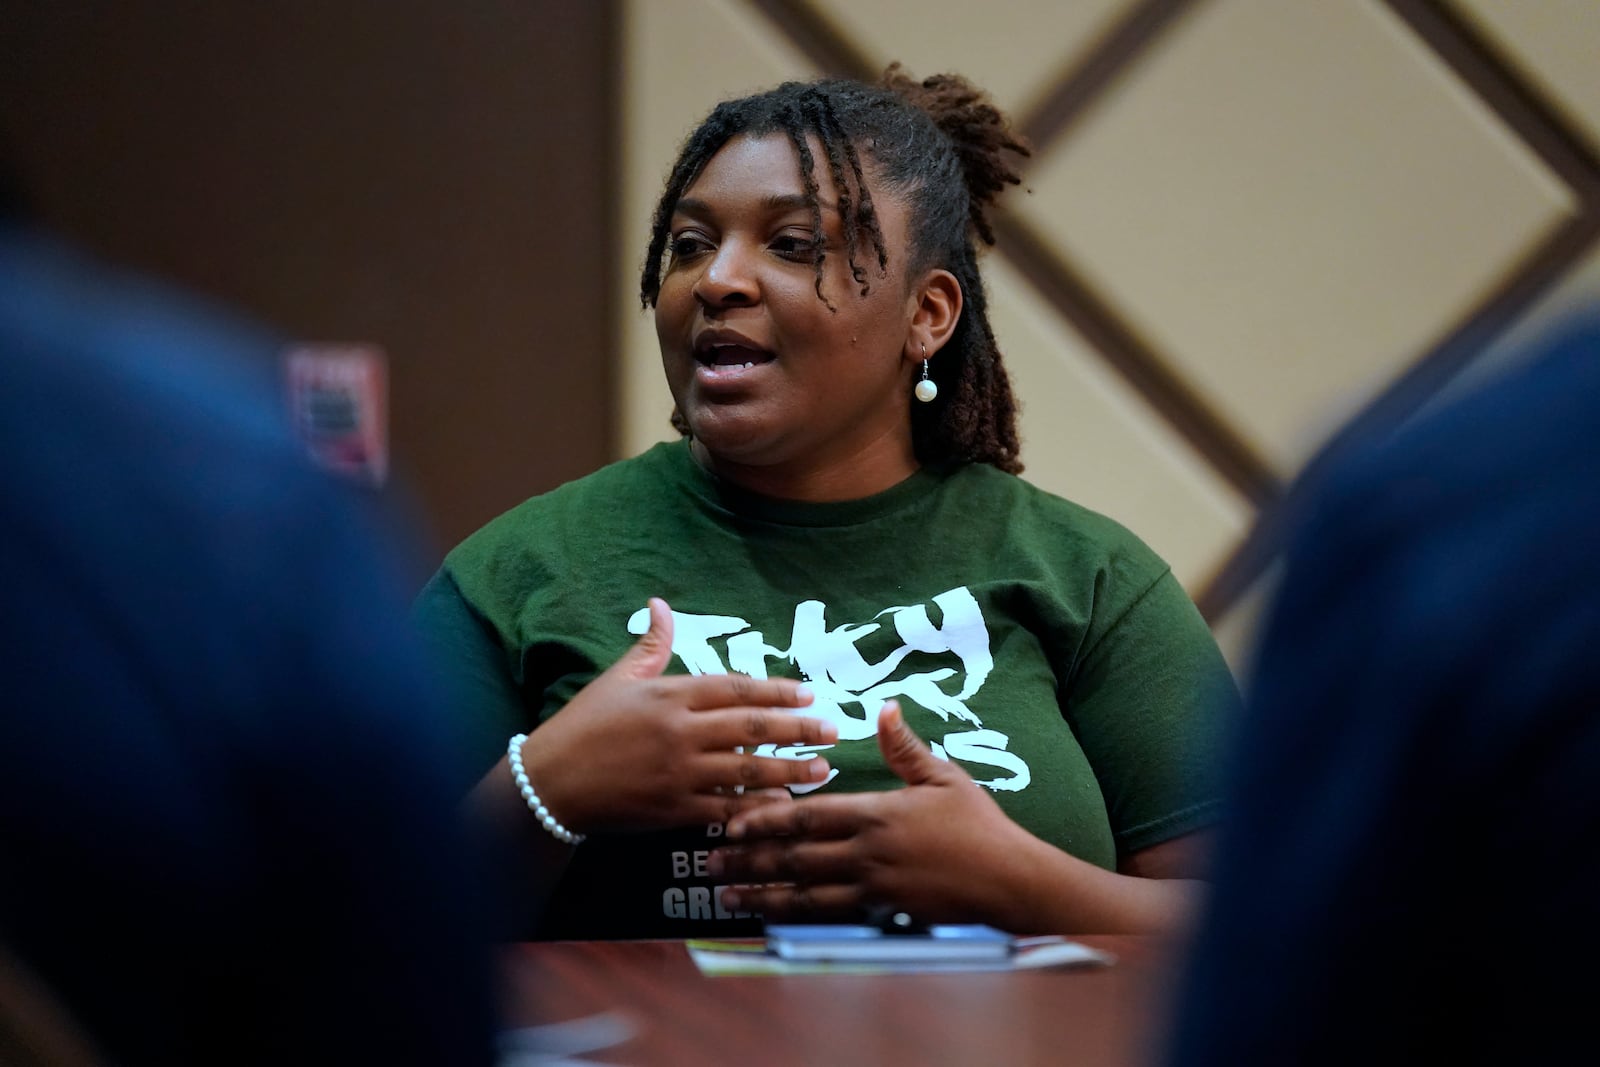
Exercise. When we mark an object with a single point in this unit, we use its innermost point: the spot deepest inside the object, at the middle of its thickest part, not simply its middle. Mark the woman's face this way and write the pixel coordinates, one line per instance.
(765, 374)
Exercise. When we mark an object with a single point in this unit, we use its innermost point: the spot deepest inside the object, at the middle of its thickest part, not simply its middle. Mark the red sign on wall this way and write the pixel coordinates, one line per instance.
(339, 399)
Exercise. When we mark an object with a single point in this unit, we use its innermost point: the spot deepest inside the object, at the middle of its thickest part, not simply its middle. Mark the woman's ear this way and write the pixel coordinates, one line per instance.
(934, 314)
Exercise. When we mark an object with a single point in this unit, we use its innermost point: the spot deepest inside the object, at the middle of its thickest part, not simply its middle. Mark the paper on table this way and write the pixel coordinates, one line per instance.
(737, 958)
(562, 1044)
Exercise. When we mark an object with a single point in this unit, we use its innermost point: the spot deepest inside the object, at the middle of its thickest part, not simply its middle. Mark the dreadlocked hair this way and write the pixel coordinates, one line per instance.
(939, 146)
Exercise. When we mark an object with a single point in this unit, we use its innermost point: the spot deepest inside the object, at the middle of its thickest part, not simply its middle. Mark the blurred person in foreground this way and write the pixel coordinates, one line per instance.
(227, 836)
(1411, 870)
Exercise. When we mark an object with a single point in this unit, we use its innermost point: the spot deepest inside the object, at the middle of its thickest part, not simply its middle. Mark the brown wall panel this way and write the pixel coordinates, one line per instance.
(435, 177)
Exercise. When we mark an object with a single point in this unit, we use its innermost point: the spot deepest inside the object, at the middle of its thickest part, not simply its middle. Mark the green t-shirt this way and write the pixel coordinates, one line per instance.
(1037, 644)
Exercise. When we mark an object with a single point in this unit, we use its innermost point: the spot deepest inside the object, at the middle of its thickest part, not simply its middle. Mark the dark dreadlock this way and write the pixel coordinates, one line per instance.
(937, 144)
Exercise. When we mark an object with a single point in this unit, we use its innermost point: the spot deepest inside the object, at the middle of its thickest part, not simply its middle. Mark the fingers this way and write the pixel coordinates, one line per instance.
(707, 808)
(716, 770)
(650, 654)
(788, 860)
(818, 817)
(907, 755)
(752, 727)
(709, 692)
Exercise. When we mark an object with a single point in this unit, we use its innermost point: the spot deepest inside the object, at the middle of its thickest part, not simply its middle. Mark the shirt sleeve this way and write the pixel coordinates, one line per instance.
(487, 704)
(1147, 701)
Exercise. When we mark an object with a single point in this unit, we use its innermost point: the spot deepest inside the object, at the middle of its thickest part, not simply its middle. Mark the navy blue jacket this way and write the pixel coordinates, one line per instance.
(1410, 870)
(226, 831)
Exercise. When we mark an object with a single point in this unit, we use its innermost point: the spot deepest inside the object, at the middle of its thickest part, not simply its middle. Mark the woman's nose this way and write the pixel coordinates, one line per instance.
(729, 277)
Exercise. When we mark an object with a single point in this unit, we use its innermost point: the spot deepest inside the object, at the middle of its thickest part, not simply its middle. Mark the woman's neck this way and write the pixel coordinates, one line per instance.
(882, 465)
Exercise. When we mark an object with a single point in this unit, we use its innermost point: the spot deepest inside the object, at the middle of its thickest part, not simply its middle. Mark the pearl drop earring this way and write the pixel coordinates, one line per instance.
(926, 389)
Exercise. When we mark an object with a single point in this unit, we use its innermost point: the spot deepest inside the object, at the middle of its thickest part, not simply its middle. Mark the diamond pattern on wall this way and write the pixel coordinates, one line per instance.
(1257, 215)
(988, 43)
(1273, 197)
(1088, 436)
(1555, 44)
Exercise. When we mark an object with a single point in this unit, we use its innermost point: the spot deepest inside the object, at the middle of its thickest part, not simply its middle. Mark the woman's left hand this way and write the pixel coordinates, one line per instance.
(939, 848)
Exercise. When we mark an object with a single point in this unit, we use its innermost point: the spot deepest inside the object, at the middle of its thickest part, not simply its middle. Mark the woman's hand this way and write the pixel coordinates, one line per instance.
(942, 850)
(636, 750)
(935, 848)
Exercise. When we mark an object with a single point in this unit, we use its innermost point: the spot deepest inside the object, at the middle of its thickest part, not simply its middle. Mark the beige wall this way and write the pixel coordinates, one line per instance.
(1279, 206)
(1287, 202)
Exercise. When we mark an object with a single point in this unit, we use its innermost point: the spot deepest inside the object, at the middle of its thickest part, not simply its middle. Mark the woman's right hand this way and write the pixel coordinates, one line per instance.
(636, 750)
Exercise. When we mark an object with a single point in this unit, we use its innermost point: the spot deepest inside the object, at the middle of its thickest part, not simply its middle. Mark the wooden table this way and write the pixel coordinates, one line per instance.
(1099, 1016)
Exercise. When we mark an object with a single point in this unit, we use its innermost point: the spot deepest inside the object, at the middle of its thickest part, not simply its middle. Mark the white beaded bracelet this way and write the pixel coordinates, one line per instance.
(535, 805)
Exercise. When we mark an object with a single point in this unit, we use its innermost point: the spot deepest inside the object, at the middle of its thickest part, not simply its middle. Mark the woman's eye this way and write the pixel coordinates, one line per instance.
(801, 246)
(687, 244)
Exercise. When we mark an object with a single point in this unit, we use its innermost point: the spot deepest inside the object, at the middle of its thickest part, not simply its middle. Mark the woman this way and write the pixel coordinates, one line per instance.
(844, 509)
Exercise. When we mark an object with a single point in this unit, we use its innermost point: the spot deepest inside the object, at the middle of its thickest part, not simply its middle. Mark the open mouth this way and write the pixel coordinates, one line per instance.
(732, 356)
(727, 359)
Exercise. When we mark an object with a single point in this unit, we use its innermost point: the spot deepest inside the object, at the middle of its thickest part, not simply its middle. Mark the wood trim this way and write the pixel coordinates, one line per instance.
(1056, 281)
(1499, 83)
(815, 34)
(1083, 82)
(1407, 394)
(1488, 74)
(1546, 132)
(1162, 388)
